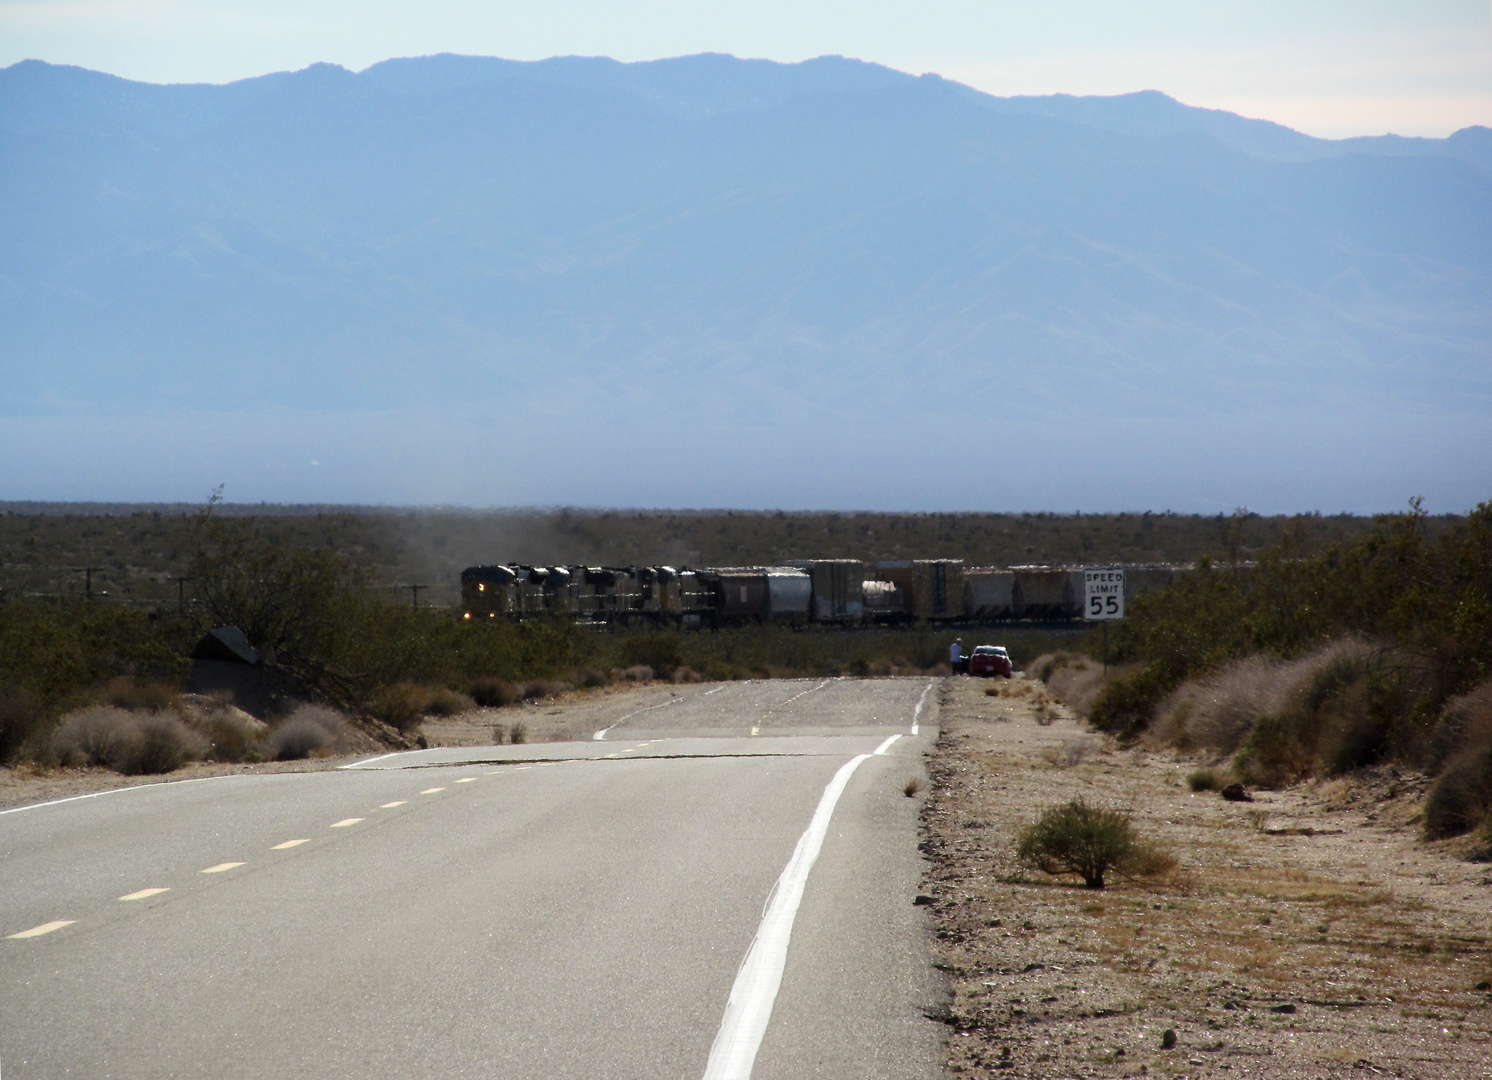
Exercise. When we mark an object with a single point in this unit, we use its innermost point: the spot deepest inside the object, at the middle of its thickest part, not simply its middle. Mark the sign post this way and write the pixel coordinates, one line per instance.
(1103, 601)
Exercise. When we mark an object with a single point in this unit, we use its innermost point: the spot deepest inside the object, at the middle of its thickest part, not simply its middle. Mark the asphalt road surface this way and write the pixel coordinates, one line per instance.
(717, 886)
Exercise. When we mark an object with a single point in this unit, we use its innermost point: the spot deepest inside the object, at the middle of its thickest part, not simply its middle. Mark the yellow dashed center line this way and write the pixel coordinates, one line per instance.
(391, 805)
(467, 780)
(220, 867)
(44, 928)
(345, 822)
(143, 893)
(289, 844)
(431, 790)
(755, 730)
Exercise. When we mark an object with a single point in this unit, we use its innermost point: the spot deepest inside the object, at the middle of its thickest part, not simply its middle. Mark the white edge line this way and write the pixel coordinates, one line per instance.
(371, 760)
(920, 702)
(600, 735)
(118, 790)
(880, 751)
(760, 976)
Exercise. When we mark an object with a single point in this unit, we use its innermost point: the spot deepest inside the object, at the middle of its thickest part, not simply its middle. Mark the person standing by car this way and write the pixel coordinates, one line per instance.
(956, 656)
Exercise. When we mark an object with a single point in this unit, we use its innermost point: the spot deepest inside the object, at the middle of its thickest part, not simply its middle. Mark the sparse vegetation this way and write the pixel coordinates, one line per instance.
(309, 731)
(1206, 780)
(1319, 661)
(1088, 841)
(913, 787)
(128, 742)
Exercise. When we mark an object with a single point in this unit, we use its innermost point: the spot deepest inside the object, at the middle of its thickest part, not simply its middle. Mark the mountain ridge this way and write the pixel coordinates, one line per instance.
(780, 257)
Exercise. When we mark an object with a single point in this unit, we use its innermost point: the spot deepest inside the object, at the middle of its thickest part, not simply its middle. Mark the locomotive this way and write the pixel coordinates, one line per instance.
(832, 592)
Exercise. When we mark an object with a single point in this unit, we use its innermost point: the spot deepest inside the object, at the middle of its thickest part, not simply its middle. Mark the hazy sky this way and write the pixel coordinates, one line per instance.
(1328, 67)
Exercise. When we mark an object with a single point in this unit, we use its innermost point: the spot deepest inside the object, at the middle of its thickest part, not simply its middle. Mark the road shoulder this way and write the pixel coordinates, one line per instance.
(1309, 933)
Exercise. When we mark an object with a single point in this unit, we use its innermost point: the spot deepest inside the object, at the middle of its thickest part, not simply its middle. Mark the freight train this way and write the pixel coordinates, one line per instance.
(828, 592)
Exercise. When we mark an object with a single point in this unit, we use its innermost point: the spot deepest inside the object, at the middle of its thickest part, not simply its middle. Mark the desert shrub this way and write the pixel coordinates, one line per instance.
(518, 733)
(687, 675)
(1215, 713)
(234, 735)
(638, 673)
(443, 701)
(1285, 720)
(1206, 780)
(23, 721)
(161, 744)
(544, 688)
(1461, 799)
(127, 742)
(1071, 752)
(401, 706)
(127, 692)
(308, 731)
(592, 679)
(293, 740)
(493, 693)
(94, 736)
(1465, 723)
(660, 651)
(1274, 755)
(1125, 706)
(1088, 841)
(1077, 681)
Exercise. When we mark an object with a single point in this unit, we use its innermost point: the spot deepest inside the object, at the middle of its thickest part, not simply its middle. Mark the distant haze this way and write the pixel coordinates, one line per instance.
(714, 282)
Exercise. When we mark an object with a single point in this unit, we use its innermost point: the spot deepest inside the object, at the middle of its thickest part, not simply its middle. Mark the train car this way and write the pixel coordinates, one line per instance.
(989, 594)
(933, 589)
(884, 602)
(838, 590)
(745, 594)
(1046, 592)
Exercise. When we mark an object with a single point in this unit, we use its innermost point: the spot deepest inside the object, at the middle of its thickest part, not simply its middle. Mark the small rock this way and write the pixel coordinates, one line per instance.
(1168, 1039)
(923, 900)
(1287, 1007)
(1236, 793)
(1485, 984)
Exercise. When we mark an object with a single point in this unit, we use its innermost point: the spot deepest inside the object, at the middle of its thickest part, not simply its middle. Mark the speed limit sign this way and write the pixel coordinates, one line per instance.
(1103, 595)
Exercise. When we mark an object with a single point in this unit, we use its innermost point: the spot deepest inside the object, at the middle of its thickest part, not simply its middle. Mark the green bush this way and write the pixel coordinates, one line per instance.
(1088, 841)
(1206, 780)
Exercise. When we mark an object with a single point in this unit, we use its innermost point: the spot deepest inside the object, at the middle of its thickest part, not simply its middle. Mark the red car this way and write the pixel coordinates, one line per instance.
(990, 660)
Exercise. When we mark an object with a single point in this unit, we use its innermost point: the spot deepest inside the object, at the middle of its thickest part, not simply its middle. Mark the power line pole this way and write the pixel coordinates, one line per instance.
(181, 594)
(414, 595)
(87, 572)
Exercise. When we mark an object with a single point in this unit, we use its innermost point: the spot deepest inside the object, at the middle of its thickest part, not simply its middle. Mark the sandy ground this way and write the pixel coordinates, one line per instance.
(1307, 934)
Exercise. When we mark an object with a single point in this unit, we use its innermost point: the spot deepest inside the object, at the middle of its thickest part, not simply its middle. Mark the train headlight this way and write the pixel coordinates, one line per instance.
(467, 615)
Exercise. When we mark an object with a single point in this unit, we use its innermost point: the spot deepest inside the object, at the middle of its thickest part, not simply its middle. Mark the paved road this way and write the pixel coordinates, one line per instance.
(678, 898)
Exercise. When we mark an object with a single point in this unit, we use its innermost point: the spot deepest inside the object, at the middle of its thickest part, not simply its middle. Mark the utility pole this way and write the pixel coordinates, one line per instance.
(87, 572)
(181, 594)
(414, 595)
